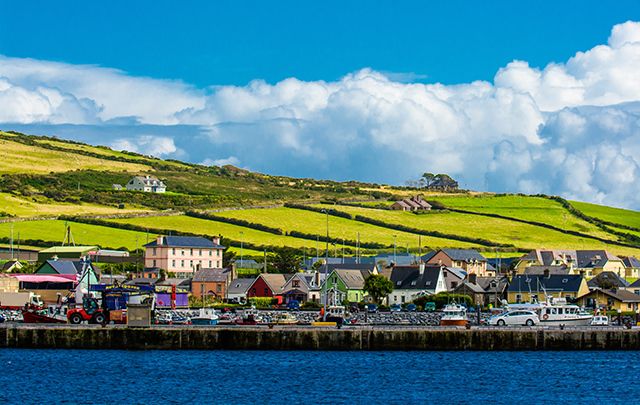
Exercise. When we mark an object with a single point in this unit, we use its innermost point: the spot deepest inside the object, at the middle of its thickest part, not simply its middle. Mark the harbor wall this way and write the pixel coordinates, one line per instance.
(71, 337)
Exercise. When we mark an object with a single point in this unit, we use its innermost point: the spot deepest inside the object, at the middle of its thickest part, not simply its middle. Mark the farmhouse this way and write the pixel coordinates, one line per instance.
(415, 203)
(150, 184)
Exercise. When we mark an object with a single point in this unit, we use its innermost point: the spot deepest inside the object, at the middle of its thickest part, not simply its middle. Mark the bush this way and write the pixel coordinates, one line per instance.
(442, 299)
(263, 302)
(310, 305)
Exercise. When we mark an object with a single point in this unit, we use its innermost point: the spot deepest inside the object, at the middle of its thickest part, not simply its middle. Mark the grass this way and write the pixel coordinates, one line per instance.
(83, 234)
(495, 229)
(21, 158)
(206, 227)
(536, 209)
(41, 206)
(290, 219)
(609, 214)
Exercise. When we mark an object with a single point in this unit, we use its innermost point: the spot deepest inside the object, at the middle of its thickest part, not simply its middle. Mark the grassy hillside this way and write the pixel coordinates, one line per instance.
(48, 177)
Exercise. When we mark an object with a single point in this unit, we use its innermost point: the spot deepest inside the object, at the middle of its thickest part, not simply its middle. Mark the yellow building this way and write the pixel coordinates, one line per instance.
(531, 288)
(611, 300)
(590, 263)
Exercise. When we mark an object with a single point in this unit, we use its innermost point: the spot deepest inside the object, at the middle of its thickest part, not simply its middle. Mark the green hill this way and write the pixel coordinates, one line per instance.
(44, 179)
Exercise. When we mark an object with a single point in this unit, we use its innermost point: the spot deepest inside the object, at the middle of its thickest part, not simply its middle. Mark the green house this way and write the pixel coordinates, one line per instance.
(346, 284)
(69, 268)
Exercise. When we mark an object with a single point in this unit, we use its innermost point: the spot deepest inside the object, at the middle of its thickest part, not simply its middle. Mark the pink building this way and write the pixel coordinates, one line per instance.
(183, 255)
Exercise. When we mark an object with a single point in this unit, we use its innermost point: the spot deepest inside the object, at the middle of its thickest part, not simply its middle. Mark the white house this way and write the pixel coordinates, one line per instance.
(150, 184)
(411, 282)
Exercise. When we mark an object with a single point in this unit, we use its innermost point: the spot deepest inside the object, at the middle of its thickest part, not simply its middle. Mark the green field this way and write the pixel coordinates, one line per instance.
(521, 235)
(609, 214)
(83, 234)
(535, 209)
(206, 227)
(290, 219)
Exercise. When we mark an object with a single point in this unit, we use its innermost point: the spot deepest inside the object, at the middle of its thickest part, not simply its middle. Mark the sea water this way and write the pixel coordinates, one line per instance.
(297, 377)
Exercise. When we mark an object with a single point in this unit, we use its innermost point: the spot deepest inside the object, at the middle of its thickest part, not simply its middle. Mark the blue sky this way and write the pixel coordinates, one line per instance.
(505, 96)
(232, 42)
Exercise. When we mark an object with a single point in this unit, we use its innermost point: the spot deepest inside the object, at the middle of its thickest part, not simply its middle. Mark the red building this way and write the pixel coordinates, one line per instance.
(267, 285)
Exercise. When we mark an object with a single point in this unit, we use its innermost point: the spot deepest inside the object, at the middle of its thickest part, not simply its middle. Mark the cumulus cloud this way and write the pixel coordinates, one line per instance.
(570, 128)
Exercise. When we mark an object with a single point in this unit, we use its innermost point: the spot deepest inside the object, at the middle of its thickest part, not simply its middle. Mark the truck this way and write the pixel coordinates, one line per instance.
(19, 300)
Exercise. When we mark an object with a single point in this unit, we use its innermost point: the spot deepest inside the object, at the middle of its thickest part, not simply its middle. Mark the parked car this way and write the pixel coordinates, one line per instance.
(2, 318)
(354, 308)
(528, 318)
(600, 320)
(395, 308)
(411, 307)
(293, 305)
(429, 306)
(372, 308)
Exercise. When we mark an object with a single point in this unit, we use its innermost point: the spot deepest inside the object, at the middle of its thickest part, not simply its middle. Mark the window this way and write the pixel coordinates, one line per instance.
(209, 263)
(428, 283)
(190, 252)
(218, 252)
(210, 252)
(173, 263)
(395, 298)
(190, 263)
(181, 263)
(402, 298)
(200, 252)
(518, 298)
(454, 284)
(173, 251)
(628, 306)
(154, 262)
(218, 288)
(398, 283)
(413, 282)
(266, 292)
(295, 283)
(182, 252)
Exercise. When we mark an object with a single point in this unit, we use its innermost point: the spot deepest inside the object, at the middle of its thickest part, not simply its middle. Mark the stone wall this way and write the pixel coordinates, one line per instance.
(292, 338)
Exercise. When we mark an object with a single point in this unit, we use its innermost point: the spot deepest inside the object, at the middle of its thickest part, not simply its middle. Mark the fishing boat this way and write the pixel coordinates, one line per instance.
(250, 316)
(206, 316)
(285, 318)
(34, 314)
(454, 315)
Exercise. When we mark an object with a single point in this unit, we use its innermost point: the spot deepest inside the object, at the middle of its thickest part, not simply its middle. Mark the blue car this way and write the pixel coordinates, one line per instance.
(372, 308)
(411, 307)
(293, 305)
(2, 319)
(396, 308)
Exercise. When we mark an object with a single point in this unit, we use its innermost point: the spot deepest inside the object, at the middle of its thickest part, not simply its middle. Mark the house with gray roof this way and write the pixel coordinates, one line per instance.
(484, 291)
(587, 262)
(467, 259)
(146, 183)
(525, 287)
(411, 282)
(632, 267)
(608, 280)
(237, 291)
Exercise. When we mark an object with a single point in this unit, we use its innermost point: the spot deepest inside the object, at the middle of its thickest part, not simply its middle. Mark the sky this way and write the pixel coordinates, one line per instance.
(539, 97)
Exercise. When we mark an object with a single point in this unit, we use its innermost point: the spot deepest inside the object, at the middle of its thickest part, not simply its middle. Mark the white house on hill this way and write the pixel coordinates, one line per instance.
(150, 184)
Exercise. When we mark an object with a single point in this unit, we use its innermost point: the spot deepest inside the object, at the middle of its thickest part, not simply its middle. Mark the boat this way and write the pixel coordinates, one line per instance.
(250, 316)
(206, 316)
(285, 318)
(454, 315)
(40, 315)
(557, 312)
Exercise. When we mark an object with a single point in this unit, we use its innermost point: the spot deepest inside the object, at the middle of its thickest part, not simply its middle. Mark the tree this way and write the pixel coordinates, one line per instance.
(427, 179)
(285, 260)
(227, 257)
(378, 286)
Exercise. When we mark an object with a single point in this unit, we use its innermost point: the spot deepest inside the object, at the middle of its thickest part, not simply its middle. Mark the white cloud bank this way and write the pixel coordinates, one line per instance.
(570, 128)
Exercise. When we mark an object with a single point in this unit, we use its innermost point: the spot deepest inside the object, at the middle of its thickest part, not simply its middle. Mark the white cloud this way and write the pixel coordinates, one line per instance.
(569, 128)
(231, 160)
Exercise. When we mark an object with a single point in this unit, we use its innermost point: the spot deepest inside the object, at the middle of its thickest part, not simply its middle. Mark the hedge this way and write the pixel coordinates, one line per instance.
(235, 221)
(321, 238)
(330, 211)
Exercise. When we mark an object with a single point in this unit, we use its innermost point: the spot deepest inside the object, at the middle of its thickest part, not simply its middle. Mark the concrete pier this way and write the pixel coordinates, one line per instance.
(308, 338)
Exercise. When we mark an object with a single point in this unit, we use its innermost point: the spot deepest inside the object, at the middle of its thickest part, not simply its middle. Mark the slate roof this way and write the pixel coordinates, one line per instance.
(8, 265)
(539, 270)
(409, 277)
(66, 266)
(185, 241)
(346, 266)
(490, 286)
(150, 180)
(620, 295)
(552, 283)
(580, 258)
(240, 285)
(607, 279)
(464, 255)
(353, 279)
(471, 286)
(178, 282)
(210, 276)
(631, 262)
(428, 256)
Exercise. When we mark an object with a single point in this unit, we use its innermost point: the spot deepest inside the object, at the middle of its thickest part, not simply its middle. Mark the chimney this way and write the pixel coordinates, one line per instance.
(421, 267)
(546, 273)
(160, 240)
(216, 240)
(581, 273)
(473, 278)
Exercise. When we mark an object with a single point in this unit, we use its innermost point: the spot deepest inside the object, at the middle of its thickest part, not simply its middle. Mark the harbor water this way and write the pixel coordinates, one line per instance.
(114, 376)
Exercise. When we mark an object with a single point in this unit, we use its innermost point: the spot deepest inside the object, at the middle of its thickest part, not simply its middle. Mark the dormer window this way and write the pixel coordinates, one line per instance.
(413, 282)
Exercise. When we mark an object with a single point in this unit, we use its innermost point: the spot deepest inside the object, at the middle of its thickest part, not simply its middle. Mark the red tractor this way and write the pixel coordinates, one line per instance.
(90, 311)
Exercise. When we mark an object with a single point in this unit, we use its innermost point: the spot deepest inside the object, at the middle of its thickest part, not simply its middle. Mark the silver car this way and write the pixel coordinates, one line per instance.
(519, 317)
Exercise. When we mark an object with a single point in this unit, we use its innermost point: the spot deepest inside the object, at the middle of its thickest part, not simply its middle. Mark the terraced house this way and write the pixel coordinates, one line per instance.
(183, 255)
(411, 282)
(346, 284)
(468, 260)
(587, 262)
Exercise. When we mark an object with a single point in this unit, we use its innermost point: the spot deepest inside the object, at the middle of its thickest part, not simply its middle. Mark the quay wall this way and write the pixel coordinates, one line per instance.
(230, 338)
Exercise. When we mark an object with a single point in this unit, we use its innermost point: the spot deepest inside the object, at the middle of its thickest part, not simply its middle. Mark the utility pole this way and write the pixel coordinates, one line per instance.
(358, 249)
(326, 267)
(241, 246)
(395, 260)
